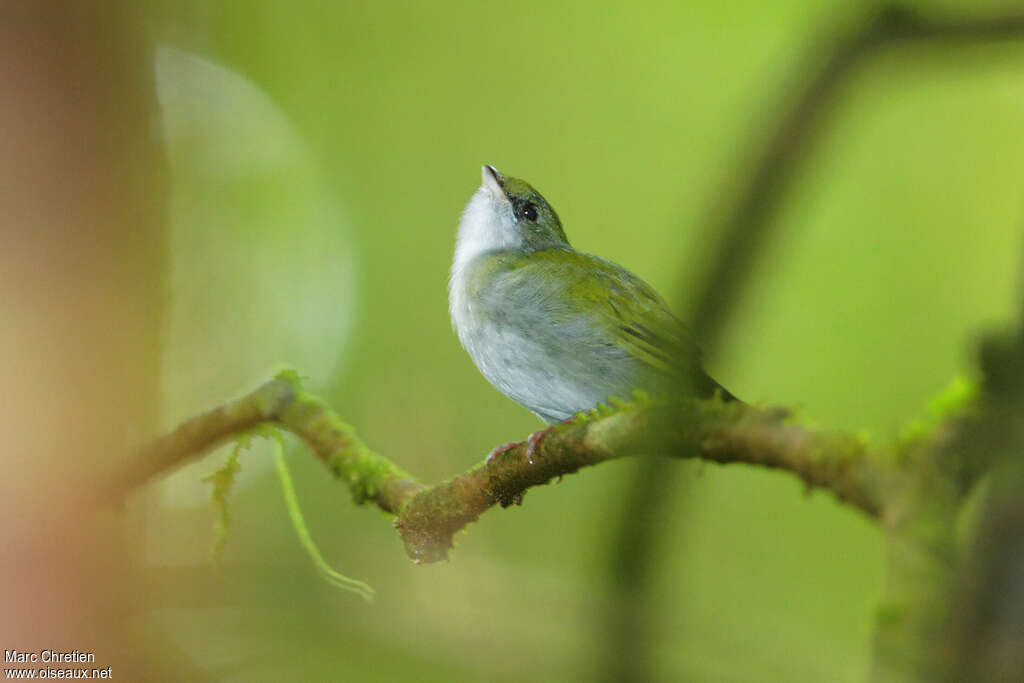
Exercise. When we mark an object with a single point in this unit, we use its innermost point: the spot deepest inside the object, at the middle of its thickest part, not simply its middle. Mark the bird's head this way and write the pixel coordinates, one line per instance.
(507, 213)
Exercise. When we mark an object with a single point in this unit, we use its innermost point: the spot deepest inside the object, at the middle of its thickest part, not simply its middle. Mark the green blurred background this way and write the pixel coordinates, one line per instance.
(318, 176)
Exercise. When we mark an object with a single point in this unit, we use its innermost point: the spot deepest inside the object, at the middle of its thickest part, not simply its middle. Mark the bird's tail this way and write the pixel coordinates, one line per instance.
(706, 387)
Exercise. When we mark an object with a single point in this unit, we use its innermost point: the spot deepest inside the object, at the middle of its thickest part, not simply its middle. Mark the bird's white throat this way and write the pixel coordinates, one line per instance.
(488, 224)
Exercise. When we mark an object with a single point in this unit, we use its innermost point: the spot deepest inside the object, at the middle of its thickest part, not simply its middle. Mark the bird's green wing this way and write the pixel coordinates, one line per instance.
(621, 307)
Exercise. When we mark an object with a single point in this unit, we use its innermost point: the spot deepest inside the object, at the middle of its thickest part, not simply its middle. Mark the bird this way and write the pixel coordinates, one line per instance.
(554, 329)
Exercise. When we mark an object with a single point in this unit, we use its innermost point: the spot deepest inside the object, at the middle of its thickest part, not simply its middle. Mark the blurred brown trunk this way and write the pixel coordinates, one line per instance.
(81, 274)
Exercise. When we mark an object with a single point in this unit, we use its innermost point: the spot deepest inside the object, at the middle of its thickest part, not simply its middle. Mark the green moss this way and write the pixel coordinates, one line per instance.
(329, 574)
(291, 376)
(955, 399)
(223, 480)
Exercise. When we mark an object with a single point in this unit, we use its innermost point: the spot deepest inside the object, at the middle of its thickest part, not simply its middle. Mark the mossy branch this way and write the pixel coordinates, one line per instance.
(913, 488)
(427, 517)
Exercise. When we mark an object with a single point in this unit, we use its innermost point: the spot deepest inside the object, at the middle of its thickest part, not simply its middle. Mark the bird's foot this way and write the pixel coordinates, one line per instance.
(532, 444)
(534, 441)
(499, 450)
(503, 499)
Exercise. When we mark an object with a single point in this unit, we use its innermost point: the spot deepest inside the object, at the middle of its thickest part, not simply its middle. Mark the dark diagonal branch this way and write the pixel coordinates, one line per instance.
(746, 225)
(428, 517)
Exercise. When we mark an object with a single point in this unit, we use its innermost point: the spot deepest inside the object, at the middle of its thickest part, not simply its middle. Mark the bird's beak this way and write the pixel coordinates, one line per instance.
(493, 181)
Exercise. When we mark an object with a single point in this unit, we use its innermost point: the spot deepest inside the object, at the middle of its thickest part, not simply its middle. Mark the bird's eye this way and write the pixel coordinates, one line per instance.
(530, 212)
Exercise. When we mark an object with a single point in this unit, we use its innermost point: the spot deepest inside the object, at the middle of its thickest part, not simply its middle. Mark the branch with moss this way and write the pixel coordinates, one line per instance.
(428, 517)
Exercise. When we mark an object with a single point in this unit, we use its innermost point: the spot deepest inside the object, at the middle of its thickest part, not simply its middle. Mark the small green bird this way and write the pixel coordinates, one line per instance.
(556, 330)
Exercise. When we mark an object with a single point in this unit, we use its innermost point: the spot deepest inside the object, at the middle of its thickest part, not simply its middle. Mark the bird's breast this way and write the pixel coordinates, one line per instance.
(554, 365)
